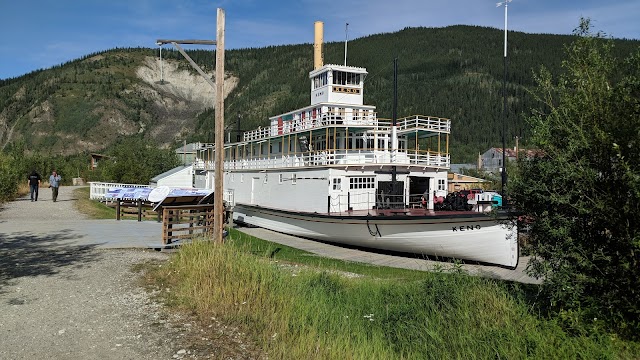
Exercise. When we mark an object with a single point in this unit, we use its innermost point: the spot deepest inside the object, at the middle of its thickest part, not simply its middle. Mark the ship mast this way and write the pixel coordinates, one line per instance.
(394, 119)
(504, 108)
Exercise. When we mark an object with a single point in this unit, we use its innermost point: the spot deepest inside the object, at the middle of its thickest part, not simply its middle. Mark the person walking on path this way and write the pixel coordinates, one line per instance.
(34, 184)
(54, 184)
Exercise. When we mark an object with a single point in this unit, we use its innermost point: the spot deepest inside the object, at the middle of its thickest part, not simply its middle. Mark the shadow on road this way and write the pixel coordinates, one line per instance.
(26, 254)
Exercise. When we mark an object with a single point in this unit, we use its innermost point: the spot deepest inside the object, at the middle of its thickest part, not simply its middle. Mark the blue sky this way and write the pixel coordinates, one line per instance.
(39, 34)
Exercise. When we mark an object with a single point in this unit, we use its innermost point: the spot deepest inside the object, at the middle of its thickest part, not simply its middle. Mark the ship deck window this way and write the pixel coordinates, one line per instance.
(365, 182)
(337, 184)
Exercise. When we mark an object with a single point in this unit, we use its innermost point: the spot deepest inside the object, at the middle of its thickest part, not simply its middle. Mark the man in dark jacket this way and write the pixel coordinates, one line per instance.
(34, 184)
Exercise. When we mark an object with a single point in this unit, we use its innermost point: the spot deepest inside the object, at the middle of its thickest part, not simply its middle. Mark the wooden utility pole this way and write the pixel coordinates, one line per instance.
(218, 220)
(219, 210)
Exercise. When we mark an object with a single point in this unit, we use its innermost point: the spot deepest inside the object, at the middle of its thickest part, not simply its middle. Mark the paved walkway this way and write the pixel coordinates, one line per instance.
(64, 295)
(59, 222)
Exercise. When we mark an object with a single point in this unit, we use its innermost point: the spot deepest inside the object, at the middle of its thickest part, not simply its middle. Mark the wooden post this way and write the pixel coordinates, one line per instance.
(219, 129)
(170, 214)
(191, 211)
(118, 209)
(165, 225)
(139, 209)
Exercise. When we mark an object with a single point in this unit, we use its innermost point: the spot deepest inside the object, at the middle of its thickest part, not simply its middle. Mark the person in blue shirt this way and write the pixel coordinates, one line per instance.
(34, 184)
(54, 184)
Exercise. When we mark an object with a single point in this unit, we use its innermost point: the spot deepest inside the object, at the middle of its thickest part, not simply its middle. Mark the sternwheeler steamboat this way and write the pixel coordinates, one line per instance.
(333, 171)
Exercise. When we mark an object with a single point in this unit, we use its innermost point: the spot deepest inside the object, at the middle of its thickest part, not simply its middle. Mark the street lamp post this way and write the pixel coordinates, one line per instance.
(503, 173)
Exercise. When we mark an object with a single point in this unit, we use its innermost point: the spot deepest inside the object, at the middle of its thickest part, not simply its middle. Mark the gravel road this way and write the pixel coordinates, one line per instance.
(61, 300)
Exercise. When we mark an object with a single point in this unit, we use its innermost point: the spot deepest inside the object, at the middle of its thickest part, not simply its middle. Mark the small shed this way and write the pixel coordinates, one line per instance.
(95, 159)
(459, 182)
(181, 176)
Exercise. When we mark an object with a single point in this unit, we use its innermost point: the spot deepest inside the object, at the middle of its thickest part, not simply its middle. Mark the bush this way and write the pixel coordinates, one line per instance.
(136, 161)
(9, 177)
(583, 190)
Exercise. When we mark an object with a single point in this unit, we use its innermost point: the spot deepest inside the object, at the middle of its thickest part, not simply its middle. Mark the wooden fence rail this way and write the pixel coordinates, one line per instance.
(140, 208)
(186, 221)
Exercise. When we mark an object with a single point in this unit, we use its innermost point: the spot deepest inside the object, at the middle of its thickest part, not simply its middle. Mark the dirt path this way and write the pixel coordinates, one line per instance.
(62, 300)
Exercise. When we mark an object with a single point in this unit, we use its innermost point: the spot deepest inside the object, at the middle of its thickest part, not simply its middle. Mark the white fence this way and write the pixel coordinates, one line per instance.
(99, 189)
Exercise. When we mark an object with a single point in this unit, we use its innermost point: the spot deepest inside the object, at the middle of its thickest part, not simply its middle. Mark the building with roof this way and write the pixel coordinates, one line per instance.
(491, 160)
(458, 182)
(187, 153)
(178, 177)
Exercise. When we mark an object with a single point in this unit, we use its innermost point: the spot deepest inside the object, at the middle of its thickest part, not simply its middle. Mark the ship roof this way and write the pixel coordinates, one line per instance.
(353, 69)
(290, 113)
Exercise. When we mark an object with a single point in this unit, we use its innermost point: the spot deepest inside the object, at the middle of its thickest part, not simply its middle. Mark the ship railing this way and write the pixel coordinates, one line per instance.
(336, 157)
(331, 118)
(418, 122)
(366, 200)
(429, 158)
(98, 190)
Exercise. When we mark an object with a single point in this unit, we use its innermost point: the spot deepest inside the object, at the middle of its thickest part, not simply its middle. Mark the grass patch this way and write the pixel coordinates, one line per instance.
(299, 306)
(23, 189)
(92, 208)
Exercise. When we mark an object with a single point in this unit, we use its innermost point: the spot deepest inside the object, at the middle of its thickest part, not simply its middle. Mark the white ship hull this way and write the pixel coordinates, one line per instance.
(466, 236)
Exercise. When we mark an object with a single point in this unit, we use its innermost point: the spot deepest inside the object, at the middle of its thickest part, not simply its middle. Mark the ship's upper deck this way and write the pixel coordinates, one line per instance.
(359, 118)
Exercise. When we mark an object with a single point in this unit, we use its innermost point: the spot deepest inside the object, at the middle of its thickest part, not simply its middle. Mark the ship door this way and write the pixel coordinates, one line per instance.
(254, 188)
(390, 195)
(417, 187)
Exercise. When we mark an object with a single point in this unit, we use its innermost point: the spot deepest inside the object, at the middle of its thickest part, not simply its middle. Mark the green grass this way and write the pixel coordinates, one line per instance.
(295, 305)
(92, 208)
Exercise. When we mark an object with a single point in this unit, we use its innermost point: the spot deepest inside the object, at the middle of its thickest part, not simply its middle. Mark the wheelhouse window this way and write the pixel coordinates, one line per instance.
(320, 80)
(345, 78)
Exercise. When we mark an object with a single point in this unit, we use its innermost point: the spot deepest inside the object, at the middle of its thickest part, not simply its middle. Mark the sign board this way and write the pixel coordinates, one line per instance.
(164, 195)
(128, 193)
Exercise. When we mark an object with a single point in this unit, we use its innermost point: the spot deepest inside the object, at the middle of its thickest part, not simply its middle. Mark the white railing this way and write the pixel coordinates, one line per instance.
(417, 122)
(333, 157)
(410, 123)
(99, 189)
(331, 118)
(371, 200)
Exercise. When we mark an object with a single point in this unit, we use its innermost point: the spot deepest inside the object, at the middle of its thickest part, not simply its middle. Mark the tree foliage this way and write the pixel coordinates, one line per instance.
(135, 161)
(582, 192)
(9, 177)
(453, 72)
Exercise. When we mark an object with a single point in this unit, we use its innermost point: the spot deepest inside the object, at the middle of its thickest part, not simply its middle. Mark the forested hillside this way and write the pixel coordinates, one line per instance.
(454, 72)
